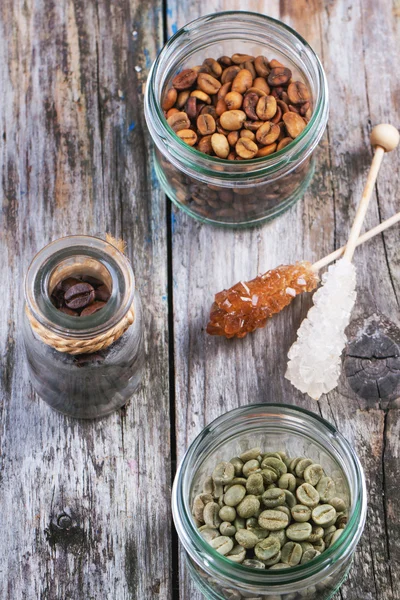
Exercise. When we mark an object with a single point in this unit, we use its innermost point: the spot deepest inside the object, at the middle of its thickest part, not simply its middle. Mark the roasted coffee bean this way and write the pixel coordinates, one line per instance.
(233, 100)
(102, 294)
(169, 99)
(261, 84)
(220, 107)
(266, 108)
(68, 311)
(246, 148)
(188, 136)
(214, 65)
(279, 76)
(220, 144)
(298, 92)
(283, 143)
(242, 82)
(191, 107)
(178, 121)
(205, 145)
(201, 96)
(69, 282)
(79, 295)
(250, 102)
(294, 124)
(268, 134)
(92, 308)
(261, 66)
(206, 124)
(229, 74)
(185, 79)
(208, 83)
(238, 59)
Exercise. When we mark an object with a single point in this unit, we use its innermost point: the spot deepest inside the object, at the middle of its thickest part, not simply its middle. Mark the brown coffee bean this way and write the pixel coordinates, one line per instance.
(250, 67)
(170, 112)
(273, 64)
(266, 108)
(220, 145)
(231, 156)
(182, 98)
(202, 69)
(261, 66)
(188, 136)
(256, 91)
(268, 133)
(246, 133)
(204, 145)
(93, 308)
(304, 108)
(208, 83)
(169, 99)
(232, 120)
(246, 148)
(253, 125)
(209, 110)
(283, 143)
(279, 76)
(102, 293)
(233, 137)
(242, 82)
(238, 59)
(278, 115)
(233, 100)
(294, 123)
(226, 61)
(68, 311)
(223, 90)
(178, 121)
(283, 106)
(206, 124)
(185, 79)
(266, 150)
(69, 282)
(249, 105)
(221, 107)
(214, 66)
(261, 84)
(202, 96)
(229, 74)
(191, 108)
(298, 92)
(94, 281)
(79, 295)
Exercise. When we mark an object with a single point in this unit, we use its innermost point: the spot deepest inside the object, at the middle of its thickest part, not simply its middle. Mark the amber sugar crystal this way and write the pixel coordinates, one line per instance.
(247, 305)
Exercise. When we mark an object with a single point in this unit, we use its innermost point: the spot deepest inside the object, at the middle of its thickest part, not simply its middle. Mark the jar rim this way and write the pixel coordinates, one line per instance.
(207, 165)
(44, 263)
(197, 547)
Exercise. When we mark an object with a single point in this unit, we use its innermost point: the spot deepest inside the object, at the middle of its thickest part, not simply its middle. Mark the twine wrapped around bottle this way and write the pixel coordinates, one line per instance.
(100, 342)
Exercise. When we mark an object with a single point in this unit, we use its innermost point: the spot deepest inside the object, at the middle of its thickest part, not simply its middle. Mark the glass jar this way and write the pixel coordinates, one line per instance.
(298, 433)
(83, 384)
(224, 192)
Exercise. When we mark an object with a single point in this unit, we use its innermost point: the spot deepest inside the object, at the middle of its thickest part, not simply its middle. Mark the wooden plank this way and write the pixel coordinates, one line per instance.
(85, 505)
(215, 375)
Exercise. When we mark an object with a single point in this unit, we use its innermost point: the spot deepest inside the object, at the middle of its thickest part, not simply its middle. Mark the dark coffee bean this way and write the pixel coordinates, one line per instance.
(94, 282)
(93, 308)
(191, 107)
(67, 283)
(68, 311)
(79, 295)
(102, 293)
(185, 79)
(249, 105)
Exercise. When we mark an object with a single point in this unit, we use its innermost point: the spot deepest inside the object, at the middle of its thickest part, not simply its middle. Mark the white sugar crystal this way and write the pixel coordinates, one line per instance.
(314, 359)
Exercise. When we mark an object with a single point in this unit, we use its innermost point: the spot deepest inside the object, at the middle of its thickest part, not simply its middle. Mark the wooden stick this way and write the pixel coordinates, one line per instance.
(323, 262)
(384, 138)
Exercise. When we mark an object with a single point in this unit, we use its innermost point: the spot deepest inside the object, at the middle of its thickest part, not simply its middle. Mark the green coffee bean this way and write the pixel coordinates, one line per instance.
(309, 555)
(223, 473)
(341, 521)
(278, 566)
(253, 526)
(313, 473)
(276, 464)
(307, 495)
(323, 514)
(208, 533)
(317, 533)
(290, 498)
(239, 523)
(234, 495)
(269, 476)
(328, 537)
(267, 548)
(211, 515)
(299, 532)
(301, 513)
(198, 508)
(250, 454)
(336, 536)
(226, 528)
(287, 482)
(246, 538)
(302, 465)
(222, 544)
(237, 554)
(273, 497)
(248, 507)
(235, 481)
(251, 466)
(280, 536)
(273, 520)
(238, 465)
(285, 509)
(293, 464)
(273, 560)
(213, 488)
(306, 546)
(255, 484)
(338, 504)
(227, 513)
(320, 545)
(253, 563)
(292, 553)
(326, 489)
(273, 454)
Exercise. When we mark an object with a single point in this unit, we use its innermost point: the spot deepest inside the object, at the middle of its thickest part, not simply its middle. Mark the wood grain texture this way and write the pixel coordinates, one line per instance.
(84, 505)
(213, 375)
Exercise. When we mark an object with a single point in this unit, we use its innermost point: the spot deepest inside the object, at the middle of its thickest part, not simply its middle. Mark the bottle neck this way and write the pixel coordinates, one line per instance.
(75, 256)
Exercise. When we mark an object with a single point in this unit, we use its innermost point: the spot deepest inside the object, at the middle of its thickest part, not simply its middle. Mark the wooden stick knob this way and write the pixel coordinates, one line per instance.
(386, 136)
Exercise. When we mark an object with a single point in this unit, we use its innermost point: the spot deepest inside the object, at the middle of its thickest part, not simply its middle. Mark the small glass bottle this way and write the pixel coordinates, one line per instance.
(83, 366)
(230, 192)
(272, 427)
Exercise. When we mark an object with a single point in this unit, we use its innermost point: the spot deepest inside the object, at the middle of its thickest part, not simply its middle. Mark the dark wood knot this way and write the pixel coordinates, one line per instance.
(64, 531)
(372, 359)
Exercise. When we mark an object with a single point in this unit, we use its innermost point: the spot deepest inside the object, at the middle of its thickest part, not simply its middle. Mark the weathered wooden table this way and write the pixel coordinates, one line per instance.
(85, 506)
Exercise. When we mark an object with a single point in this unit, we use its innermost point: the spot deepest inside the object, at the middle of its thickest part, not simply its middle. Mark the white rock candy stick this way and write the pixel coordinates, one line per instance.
(315, 358)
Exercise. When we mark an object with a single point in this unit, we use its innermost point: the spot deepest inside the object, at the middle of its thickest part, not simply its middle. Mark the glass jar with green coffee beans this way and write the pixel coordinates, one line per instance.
(269, 503)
